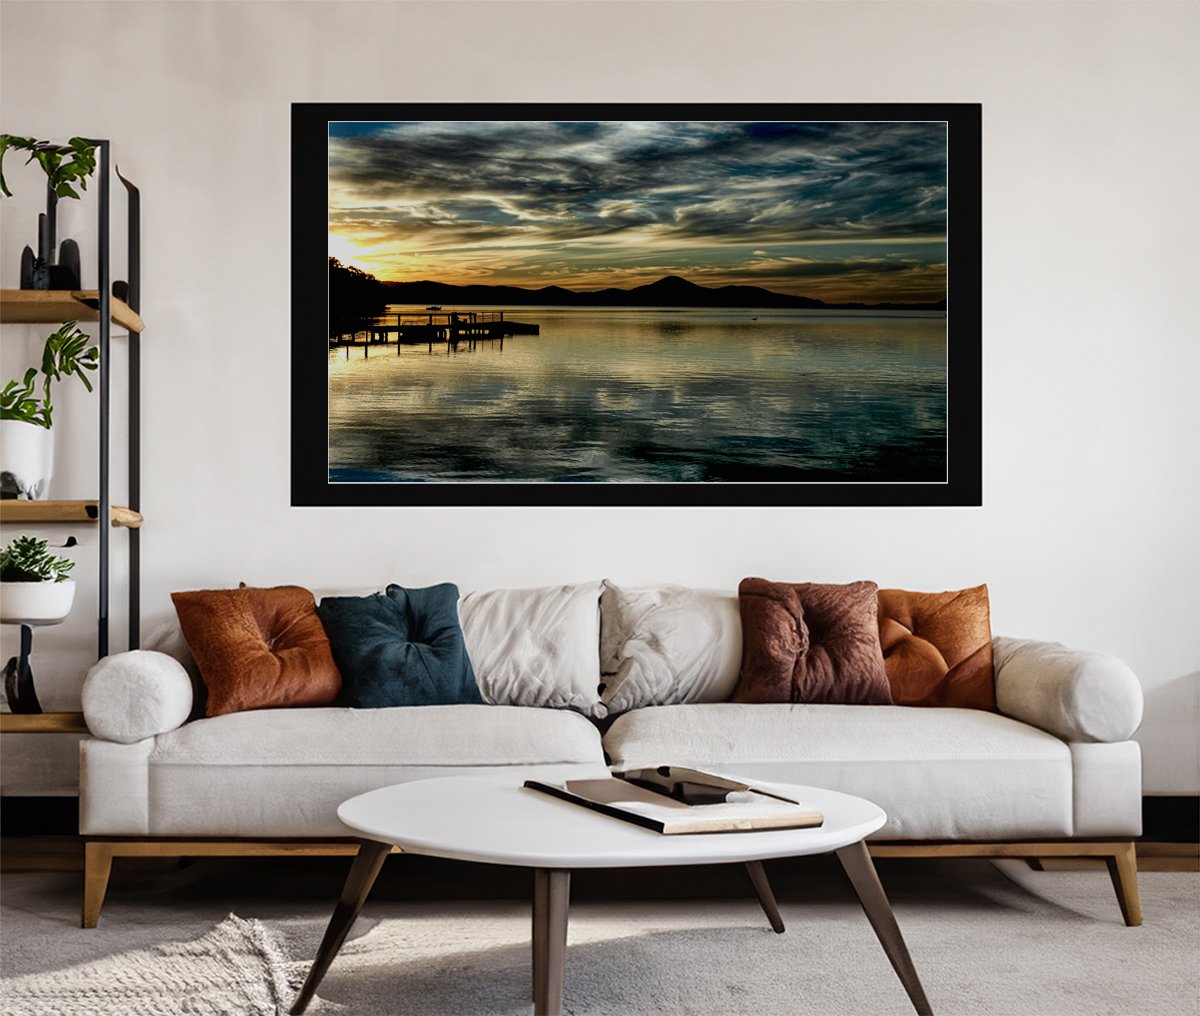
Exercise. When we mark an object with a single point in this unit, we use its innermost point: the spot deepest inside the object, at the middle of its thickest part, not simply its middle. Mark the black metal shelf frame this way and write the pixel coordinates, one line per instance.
(133, 298)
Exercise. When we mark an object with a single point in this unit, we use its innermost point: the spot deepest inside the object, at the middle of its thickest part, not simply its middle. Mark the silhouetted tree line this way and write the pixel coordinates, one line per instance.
(353, 296)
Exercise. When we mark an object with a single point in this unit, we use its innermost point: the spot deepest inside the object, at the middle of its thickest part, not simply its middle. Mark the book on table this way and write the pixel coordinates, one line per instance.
(676, 799)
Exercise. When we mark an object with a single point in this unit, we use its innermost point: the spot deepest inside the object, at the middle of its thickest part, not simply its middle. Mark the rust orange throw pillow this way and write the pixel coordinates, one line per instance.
(937, 647)
(804, 642)
(258, 648)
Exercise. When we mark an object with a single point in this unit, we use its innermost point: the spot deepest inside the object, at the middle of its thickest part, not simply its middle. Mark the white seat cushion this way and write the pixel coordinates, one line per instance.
(404, 735)
(283, 772)
(938, 773)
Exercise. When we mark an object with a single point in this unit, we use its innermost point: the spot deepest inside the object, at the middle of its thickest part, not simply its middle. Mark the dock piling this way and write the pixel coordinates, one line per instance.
(429, 328)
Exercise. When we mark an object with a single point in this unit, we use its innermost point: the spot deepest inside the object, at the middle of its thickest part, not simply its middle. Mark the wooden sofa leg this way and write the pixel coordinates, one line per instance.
(1122, 868)
(97, 864)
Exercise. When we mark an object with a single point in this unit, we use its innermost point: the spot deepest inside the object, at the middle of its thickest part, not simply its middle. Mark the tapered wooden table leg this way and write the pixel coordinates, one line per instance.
(766, 898)
(541, 908)
(857, 863)
(551, 903)
(363, 873)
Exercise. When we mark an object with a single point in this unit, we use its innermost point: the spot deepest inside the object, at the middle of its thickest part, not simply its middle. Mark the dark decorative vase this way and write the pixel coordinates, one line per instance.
(51, 269)
(18, 678)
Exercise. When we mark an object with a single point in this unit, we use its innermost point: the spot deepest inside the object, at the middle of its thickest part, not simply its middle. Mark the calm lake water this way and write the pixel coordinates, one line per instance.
(636, 394)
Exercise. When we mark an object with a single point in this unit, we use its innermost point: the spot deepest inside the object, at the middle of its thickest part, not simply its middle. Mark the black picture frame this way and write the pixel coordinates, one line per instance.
(310, 483)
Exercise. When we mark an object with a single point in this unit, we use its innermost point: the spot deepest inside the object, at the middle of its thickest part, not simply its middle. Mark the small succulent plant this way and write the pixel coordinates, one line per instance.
(26, 559)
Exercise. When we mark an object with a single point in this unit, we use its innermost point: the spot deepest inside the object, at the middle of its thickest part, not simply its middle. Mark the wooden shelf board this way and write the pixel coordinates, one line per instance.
(42, 723)
(53, 306)
(65, 511)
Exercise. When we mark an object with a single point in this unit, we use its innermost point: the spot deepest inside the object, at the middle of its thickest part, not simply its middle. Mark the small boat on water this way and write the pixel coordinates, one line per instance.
(435, 307)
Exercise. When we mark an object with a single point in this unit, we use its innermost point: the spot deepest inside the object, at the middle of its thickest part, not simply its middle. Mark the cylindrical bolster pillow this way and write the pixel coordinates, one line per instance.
(1078, 696)
(130, 696)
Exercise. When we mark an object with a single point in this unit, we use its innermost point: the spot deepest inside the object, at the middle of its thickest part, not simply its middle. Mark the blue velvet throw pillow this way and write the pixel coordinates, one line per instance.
(401, 647)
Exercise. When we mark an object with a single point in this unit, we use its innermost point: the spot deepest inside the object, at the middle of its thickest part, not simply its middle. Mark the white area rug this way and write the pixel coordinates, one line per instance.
(987, 940)
(237, 969)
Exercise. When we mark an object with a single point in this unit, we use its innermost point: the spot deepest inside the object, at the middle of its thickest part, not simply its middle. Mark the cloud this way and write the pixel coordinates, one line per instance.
(633, 192)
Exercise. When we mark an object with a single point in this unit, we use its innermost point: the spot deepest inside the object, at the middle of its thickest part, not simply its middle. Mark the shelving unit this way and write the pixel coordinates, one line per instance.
(24, 306)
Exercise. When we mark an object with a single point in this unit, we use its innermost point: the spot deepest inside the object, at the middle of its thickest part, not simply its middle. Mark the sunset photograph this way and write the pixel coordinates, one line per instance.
(681, 302)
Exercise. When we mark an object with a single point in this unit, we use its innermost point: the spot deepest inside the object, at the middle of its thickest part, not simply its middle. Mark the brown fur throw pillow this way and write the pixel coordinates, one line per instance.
(937, 647)
(804, 642)
(258, 648)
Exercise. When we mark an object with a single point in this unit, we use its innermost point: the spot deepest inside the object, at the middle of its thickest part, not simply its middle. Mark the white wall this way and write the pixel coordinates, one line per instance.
(1089, 532)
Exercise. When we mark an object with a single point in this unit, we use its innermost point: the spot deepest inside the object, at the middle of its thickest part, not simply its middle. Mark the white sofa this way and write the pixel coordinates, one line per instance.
(1052, 773)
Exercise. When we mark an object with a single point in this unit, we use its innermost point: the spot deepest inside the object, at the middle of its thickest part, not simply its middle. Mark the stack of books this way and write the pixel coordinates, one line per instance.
(676, 799)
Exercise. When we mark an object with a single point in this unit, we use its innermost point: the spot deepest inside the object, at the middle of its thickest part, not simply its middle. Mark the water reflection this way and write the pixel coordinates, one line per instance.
(651, 395)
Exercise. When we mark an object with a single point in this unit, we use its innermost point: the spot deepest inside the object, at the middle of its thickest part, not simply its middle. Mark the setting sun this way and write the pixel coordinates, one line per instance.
(348, 252)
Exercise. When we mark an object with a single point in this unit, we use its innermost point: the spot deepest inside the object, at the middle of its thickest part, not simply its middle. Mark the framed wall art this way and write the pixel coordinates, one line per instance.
(768, 305)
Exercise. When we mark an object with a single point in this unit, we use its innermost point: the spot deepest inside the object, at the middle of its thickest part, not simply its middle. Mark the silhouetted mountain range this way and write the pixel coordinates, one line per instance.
(670, 291)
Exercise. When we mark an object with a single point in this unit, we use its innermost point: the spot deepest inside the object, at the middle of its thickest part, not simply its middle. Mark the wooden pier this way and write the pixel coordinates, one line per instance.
(429, 328)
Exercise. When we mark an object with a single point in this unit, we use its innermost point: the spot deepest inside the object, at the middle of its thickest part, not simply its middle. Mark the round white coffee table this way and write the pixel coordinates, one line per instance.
(495, 820)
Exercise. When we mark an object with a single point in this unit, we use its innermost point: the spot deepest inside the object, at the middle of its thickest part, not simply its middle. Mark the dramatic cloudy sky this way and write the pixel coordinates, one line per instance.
(838, 211)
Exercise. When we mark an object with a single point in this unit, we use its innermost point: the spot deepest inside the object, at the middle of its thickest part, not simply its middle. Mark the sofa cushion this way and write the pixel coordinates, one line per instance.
(258, 648)
(128, 697)
(805, 642)
(1080, 696)
(407, 735)
(283, 772)
(536, 647)
(937, 647)
(938, 773)
(667, 644)
(401, 647)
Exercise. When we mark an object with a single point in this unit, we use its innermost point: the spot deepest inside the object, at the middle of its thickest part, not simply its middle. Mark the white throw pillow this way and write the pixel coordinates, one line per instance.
(667, 645)
(128, 697)
(536, 647)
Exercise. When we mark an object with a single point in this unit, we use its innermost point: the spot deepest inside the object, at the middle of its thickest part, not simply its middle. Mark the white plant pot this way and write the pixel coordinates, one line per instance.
(36, 603)
(26, 459)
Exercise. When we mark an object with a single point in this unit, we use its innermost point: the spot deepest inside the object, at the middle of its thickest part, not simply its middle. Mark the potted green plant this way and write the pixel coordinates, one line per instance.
(54, 267)
(34, 591)
(26, 440)
(34, 583)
